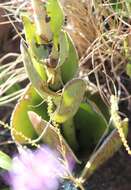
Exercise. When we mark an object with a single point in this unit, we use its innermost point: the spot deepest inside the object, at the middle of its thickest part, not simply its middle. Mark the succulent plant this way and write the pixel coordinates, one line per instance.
(57, 106)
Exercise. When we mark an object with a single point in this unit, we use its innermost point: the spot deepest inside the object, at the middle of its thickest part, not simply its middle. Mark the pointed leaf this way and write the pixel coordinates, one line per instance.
(70, 66)
(71, 98)
(69, 132)
(96, 99)
(37, 82)
(39, 68)
(64, 48)
(37, 51)
(110, 145)
(55, 12)
(56, 20)
(50, 135)
(29, 29)
(90, 125)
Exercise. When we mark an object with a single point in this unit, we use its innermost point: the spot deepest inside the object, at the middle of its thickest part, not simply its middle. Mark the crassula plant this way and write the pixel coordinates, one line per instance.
(59, 108)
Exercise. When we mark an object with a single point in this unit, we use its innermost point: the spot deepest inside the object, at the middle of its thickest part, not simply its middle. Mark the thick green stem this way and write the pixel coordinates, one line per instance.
(54, 78)
(70, 134)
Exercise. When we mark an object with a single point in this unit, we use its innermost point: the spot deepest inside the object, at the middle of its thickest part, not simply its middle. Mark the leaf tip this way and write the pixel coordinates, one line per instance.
(34, 118)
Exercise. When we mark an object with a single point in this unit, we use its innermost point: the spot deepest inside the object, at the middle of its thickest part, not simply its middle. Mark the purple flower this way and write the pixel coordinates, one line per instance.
(38, 170)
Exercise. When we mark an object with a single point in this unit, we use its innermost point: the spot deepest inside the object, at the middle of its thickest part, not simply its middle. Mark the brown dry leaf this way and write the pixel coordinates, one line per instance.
(82, 24)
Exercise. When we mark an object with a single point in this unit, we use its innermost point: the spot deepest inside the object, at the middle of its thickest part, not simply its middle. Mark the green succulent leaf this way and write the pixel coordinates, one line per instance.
(38, 52)
(69, 132)
(5, 161)
(110, 145)
(90, 125)
(71, 98)
(64, 48)
(20, 122)
(39, 68)
(40, 85)
(49, 135)
(56, 20)
(97, 100)
(55, 12)
(70, 66)
(29, 29)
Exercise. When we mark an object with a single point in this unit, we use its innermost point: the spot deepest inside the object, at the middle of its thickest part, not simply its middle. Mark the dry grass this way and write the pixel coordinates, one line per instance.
(103, 39)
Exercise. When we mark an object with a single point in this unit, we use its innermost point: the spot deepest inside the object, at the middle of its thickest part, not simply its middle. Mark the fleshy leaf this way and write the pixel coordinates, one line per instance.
(72, 96)
(56, 20)
(37, 51)
(90, 125)
(69, 132)
(70, 66)
(55, 12)
(5, 161)
(64, 48)
(20, 122)
(29, 29)
(37, 82)
(96, 99)
(50, 135)
(110, 145)
(39, 68)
